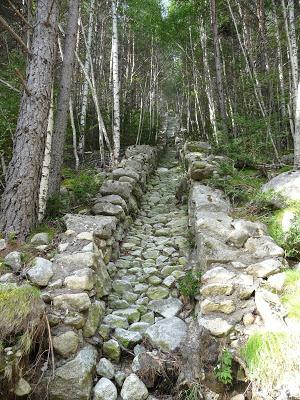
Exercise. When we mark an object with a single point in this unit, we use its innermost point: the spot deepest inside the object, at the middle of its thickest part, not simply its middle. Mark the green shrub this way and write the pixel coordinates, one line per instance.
(223, 370)
(189, 284)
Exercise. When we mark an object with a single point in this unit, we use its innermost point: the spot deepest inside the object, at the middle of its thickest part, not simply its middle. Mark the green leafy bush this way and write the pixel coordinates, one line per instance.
(189, 284)
(223, 370)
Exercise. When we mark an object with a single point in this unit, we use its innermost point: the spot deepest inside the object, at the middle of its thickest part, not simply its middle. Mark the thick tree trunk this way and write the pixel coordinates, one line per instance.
(21, 195)
(116, 84)
(61, 120)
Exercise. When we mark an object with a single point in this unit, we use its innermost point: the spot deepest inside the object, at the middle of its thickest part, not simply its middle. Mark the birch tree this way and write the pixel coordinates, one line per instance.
(116, 84)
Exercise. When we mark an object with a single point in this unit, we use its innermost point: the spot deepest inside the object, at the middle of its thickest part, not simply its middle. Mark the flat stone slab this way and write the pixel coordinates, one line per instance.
(217, 327)
(167, 307)
(102, 226)
(167, 334)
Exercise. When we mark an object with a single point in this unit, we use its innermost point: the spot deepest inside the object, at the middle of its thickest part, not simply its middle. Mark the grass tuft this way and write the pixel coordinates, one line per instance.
(272, 359)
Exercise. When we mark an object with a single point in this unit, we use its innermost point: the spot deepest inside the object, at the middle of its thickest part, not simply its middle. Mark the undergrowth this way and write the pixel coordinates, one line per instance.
(272, 359)
(223, 370)
(78, 190)
(189, 285)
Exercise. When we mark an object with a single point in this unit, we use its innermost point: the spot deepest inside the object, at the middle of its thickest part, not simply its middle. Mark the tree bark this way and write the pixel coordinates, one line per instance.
(81, 143)
(218, 64)
(61, 119)
(116, 84)
(21, 195)
(297, 131)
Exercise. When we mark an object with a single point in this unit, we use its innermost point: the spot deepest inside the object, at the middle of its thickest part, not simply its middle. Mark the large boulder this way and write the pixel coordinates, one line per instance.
(167, 334)
(287, 185)
(74, 380)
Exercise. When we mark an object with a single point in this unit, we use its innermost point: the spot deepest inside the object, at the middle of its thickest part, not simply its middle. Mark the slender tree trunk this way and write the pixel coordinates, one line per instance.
(21, 196)
(116, 84)
(218, 64)
(43, 194)
(61, 120)
(85, 92)
(297, 131)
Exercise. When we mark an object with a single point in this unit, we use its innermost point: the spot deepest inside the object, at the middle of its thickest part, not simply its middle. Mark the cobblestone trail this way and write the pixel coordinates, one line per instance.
(144, 302)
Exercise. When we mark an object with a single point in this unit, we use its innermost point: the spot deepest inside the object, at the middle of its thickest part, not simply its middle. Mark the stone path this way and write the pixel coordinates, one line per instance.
(144, 302)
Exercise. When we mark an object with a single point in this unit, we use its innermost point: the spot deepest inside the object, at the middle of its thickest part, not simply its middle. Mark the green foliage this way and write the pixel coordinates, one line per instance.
(189, 284)
(223, 370)
(241, 186)
(80, 187)
(9, 100)
(19, 306)
(272, 358)
(289, 240)
(291, 295)
(192, 393)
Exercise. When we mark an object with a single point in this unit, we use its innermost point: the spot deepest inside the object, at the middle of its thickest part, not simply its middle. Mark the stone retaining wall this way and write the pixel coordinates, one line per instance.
(75, 282)
(238, 260)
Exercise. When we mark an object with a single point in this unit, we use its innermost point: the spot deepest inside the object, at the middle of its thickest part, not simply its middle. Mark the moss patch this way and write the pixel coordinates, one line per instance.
(20, 306)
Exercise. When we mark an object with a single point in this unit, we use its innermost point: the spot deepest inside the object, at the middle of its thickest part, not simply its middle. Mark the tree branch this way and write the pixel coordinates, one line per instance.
(19, 14)
(10, 86)
(14, 34)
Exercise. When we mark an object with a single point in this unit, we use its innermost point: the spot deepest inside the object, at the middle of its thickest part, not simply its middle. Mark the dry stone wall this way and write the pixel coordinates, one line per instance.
(74, 283)
(240, 263)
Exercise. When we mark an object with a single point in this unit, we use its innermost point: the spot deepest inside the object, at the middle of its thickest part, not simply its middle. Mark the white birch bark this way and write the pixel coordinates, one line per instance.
(43, 193)
(297, 131)
(85, 91)
(116, 84)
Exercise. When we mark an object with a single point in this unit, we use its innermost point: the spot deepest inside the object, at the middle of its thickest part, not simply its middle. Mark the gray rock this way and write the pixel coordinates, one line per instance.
(131, 314)
(74, 379)
(264, 268)
(277, 281)
(140, 327)
(3, 244)
(286, 184)
(127, 338)
(105, 208)
(22, 388)
(13, 260)
(101, 226)
(66, 343)
(263, 247)
(223, 306)
(73, 301)
(105, 390)
(166, 307)
(217, 327)
(111, 349)
(121, 286)
(105, 368)
(115, 321)
(217, 289)
(217, 275)
(41, 272)
(134, 389)
(167, 334)
(120, 377)
(95, 316)
(83, 279)
(122, 189)
(157, 293)
(40, 238)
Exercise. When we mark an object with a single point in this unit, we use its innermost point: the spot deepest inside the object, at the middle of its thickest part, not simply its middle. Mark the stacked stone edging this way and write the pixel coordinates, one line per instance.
(236, 257)
(78, 278)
